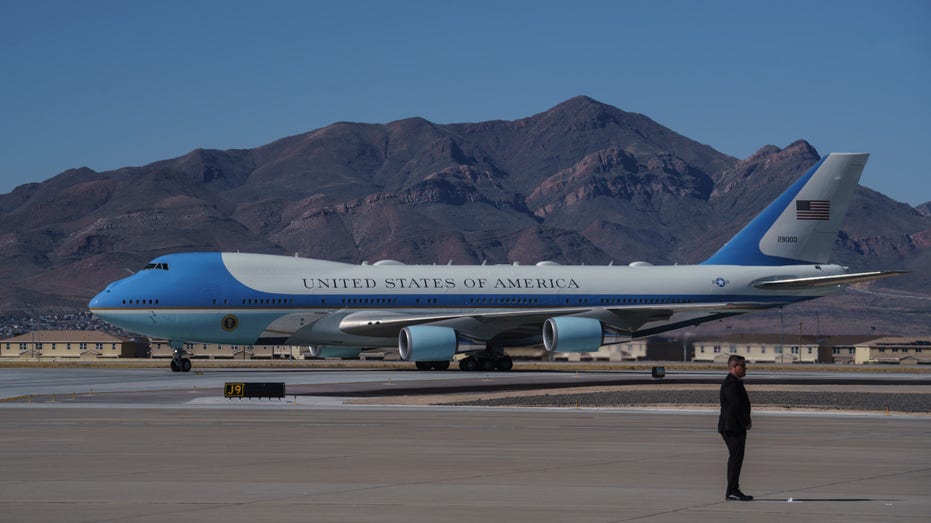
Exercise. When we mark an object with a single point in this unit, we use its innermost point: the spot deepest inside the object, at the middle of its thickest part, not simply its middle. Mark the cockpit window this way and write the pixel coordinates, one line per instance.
(156, 266)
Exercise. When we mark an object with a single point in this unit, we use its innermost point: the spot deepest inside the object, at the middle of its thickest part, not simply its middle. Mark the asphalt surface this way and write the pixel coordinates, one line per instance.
(147, 445)
(160, 386)
(846, 401)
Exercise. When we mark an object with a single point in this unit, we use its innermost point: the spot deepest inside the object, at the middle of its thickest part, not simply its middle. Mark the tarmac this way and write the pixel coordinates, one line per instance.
(157, 451)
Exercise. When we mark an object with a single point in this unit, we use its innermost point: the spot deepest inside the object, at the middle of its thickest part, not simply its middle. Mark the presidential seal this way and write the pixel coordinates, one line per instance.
(229, 323)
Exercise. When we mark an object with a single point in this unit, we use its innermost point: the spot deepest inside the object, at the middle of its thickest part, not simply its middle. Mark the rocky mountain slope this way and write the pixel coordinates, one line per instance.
(583, 182)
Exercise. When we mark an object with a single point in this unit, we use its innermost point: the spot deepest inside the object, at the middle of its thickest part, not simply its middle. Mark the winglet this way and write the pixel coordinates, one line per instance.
(800, 226)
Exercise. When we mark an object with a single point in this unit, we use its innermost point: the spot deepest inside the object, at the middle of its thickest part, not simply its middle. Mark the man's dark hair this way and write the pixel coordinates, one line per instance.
(735, 360)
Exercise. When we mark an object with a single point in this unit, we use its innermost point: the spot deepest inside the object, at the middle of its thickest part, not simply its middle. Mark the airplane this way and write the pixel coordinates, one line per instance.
(431, 313)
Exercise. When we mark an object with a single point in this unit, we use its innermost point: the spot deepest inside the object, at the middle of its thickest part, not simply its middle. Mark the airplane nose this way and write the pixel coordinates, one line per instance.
(99, 300)
(103, 299)
(108, 306)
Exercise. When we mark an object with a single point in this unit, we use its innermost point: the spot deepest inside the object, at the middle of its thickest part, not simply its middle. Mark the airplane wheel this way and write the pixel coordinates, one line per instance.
(185, 365)
(423, 365)
(440, 365)
(505, 364)
(488, 365)
(468, 364)
(175, 367)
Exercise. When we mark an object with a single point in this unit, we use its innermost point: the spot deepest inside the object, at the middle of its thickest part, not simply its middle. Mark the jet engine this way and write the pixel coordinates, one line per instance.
(572, 334)
(327, 351)
(427, 343)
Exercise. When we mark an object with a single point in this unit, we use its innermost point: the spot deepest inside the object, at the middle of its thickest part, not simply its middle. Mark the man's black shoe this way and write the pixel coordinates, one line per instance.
(738, 496)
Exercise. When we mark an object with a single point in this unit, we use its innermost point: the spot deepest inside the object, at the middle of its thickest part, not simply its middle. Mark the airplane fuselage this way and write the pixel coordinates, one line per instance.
(239, 298)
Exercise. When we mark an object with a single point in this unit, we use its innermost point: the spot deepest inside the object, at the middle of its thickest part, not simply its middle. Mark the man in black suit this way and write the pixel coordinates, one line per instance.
(733, 424)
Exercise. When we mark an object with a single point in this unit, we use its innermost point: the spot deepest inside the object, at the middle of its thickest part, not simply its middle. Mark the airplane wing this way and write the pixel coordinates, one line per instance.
(820, 281)
(620, 317)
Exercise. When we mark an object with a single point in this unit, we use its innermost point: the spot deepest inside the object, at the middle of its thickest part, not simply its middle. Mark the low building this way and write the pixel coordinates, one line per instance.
(775, 348)
(69, 344)
(852, 349)
(894, 350)
(219, 351)
(772, 348)
(758, 349)
(627, 351)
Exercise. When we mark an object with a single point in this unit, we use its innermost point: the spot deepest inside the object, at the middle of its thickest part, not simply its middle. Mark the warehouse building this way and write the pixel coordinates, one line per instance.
(51, 344)
(54, 344)
(780, 349)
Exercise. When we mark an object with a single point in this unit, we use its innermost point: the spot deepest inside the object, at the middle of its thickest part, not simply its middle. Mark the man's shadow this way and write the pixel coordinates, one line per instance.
(826, 500)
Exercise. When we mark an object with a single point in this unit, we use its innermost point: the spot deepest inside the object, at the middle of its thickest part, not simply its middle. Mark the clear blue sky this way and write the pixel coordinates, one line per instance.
(106, 84)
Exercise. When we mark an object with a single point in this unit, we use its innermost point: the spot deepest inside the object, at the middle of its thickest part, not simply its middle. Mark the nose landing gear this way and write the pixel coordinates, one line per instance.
(180, 361)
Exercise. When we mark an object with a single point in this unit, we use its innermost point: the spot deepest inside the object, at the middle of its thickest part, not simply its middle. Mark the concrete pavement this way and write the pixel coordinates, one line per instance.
(391, 464)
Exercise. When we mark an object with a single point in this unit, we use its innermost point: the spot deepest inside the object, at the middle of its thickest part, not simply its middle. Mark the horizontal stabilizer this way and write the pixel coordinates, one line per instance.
(820, 281)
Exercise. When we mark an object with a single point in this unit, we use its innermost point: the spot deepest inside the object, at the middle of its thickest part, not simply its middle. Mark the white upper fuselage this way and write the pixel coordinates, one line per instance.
(255, 298)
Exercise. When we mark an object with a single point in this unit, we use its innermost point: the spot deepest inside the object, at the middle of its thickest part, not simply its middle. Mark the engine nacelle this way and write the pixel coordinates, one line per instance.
(427, 343)
(572, 334)
(327, 351)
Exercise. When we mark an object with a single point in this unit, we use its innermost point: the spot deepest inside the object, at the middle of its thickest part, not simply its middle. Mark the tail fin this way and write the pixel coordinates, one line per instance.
(801, 225)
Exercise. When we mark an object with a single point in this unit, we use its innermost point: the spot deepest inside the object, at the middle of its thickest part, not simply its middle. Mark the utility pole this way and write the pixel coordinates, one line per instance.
(800, 341)
(782, 332)
(32, 327)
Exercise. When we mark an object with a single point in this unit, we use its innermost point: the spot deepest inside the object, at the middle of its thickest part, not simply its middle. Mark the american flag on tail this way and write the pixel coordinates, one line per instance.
(812, 209)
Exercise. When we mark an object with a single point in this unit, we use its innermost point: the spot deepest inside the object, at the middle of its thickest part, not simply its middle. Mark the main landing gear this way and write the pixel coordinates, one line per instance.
(487, 360)
(432, 365)
(179, 361)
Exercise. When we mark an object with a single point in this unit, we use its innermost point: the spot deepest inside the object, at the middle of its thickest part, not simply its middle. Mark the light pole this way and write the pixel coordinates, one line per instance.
(32, 327)
(782, 341)
(800, 342)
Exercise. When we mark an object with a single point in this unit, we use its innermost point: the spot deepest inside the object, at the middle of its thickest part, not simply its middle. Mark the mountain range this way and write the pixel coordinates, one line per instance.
(582, 182)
